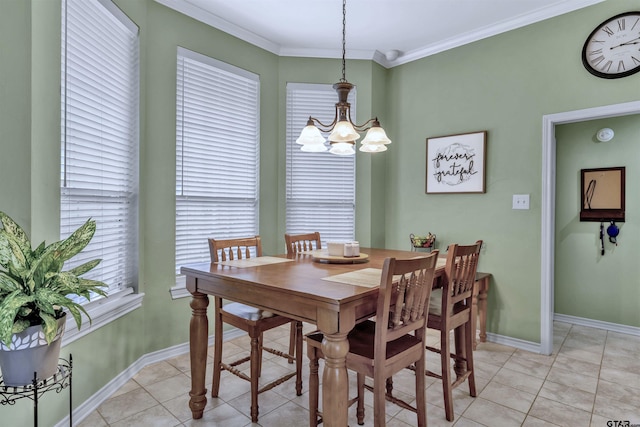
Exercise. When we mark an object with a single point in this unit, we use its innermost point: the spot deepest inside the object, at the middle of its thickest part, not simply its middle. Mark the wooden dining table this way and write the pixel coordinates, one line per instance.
(300, 286)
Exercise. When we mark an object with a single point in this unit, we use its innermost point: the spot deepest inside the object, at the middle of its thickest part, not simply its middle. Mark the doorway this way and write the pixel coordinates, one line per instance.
(548, 204)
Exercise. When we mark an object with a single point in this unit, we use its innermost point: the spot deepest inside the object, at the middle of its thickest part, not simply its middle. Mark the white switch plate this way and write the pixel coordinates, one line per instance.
(520, 201)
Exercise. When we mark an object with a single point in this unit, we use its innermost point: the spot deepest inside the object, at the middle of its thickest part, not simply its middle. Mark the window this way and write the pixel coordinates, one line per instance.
(320, 187)
(100, 99)
(217, 154)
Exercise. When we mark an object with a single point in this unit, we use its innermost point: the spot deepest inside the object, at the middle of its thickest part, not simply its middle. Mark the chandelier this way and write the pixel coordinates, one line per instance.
(343, 131)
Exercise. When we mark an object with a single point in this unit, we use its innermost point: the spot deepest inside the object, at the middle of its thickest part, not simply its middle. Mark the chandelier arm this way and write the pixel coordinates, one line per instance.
(365, 126)
(324, 127)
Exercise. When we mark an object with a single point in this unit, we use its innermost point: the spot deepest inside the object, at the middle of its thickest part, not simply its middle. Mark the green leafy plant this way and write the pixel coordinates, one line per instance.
(33, 288)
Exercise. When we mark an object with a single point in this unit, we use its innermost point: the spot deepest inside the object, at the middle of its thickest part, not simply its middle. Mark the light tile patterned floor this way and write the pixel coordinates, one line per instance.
(592, 377)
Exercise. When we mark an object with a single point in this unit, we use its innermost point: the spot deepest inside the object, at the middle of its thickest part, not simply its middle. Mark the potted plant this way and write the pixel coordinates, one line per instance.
(34, 294)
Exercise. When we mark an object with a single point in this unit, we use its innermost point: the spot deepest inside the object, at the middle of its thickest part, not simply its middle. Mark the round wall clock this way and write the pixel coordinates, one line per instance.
(612, 50)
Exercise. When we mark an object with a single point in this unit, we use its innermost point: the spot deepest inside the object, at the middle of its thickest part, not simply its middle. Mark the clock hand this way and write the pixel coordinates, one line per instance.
(632, 41)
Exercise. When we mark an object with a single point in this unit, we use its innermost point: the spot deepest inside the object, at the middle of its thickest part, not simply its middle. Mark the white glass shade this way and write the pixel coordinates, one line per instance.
(313, 147)
(343, 132)
(376, 135)
(342, 148)
(310, 135)
(372, 148)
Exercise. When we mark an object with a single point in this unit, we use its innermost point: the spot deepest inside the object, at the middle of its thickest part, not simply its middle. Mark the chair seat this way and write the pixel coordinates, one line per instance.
(246, 311)
(362, 337)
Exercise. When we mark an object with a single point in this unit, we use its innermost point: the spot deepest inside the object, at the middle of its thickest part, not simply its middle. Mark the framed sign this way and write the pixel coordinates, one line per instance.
(602, 194)
(456, 163)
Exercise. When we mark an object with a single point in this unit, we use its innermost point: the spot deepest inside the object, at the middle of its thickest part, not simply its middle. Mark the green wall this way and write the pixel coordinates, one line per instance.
(588, 284)
(504, 85)
(15, 120)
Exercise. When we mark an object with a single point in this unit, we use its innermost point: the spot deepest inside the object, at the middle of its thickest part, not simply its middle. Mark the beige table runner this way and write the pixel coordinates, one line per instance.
(254, 262)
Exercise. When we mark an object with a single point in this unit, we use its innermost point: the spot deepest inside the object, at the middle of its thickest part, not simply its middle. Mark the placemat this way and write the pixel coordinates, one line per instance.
(367, 277)
(254, 262)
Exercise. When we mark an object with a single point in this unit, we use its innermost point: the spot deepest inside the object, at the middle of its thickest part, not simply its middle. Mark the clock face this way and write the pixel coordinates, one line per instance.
(612, 50)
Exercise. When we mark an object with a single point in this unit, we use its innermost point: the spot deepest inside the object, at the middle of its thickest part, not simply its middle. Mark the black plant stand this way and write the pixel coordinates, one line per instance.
(59, 381)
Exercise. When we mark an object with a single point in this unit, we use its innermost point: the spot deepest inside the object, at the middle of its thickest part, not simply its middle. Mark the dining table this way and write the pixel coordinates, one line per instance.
(333, 294)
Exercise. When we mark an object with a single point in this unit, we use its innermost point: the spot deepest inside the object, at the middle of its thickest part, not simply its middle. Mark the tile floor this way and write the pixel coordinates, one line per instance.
(592, 377)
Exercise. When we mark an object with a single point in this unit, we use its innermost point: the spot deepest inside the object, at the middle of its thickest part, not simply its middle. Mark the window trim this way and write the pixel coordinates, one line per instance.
(119, 303)
(179, 290)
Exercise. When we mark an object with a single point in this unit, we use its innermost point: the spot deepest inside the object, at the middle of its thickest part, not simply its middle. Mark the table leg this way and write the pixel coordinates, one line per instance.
(335, 383)
(474, 313)
(198, 340)
(482, 309)
(479, 306)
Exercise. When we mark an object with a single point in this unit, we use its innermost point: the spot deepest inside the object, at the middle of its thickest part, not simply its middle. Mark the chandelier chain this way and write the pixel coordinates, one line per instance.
(344, 36)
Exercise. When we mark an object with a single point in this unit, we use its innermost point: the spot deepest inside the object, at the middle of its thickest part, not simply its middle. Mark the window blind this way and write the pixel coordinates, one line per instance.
(320, 187)
(217, 154)
(99, 149)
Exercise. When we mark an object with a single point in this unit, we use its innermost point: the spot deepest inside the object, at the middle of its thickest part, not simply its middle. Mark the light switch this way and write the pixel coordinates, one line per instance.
(520, 201)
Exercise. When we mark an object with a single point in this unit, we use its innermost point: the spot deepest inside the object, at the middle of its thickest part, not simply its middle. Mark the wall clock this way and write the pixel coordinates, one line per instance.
(612, 50)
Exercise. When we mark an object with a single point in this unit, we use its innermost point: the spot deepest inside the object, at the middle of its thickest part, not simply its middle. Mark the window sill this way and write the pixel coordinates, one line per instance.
(102, 312)
(180, 289)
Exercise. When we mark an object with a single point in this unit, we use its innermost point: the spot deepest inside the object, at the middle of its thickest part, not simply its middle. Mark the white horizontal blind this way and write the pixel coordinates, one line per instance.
(217, 154)
(99, 150)
(320, 187)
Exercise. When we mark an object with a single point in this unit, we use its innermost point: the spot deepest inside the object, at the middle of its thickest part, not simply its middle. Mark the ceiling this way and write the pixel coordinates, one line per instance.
(390, 32)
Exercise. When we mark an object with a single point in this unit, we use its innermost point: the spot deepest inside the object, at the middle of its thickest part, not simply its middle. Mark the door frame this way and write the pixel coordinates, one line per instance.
(547, 246)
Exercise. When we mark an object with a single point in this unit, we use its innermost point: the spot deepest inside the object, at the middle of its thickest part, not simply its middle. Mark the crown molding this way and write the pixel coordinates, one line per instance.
(216, 22)
(376, 56)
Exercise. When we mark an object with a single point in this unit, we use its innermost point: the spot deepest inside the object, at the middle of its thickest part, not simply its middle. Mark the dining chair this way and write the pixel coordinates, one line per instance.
(302, 242)
(297, 243)
(253, 321)
(450, 308)
(395, 340)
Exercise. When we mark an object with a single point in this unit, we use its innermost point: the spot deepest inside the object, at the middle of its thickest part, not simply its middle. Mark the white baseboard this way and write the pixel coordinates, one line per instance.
(90, 405)
(531, 346)
(598, 324)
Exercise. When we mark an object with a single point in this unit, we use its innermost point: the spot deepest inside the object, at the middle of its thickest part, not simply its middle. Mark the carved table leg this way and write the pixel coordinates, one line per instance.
(198, 340)
(479, 313)
(335, 384)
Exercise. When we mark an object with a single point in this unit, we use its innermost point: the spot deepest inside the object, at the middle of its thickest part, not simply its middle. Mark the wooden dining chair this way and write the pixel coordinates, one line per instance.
(253, 321)
(450, 308)
(297, 243)
(302, 242)
(395, 340)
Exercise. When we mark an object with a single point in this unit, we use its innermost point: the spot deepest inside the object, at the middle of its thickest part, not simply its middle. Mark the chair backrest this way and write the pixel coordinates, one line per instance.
(403, 299)
(460, 275)
(302, 242)
(230, 249)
